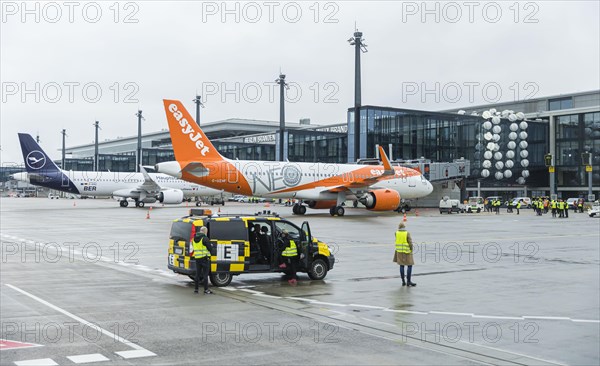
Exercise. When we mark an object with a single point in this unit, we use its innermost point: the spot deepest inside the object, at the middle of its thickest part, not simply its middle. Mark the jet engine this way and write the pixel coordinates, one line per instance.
(170, 196)
(381, 200)
(321, 204)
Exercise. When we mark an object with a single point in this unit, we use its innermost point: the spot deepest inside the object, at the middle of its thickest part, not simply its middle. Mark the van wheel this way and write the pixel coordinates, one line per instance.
(220, 279)
(318, 270)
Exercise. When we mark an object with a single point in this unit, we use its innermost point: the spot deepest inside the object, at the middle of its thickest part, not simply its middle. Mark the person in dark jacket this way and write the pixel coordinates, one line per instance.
(202, 248)
(289, 255)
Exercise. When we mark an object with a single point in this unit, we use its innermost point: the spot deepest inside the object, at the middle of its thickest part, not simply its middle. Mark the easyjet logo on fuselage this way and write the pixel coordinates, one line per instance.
(189, 130)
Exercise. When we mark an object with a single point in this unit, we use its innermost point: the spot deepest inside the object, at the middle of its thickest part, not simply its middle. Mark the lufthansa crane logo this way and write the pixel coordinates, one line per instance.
(35, 160)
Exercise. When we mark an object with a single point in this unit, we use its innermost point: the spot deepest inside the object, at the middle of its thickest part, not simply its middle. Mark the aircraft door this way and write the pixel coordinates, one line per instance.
(233, 173)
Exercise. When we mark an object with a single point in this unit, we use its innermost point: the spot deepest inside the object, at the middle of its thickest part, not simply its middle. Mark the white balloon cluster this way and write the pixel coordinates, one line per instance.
(492, 137)
(523, 146)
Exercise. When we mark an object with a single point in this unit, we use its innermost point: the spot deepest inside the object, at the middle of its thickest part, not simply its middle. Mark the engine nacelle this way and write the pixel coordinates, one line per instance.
(381, 200)
(170, 196)
(171, 168)
(321, 204)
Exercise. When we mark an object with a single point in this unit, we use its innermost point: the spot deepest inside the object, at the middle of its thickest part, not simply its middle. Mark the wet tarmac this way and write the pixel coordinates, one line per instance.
(87, 281)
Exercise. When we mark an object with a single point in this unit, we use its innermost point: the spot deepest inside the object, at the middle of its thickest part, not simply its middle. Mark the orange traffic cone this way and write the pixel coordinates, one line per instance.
(267, 204)
(416, 212)
(404, 218)
(148, 215)
(219, 209)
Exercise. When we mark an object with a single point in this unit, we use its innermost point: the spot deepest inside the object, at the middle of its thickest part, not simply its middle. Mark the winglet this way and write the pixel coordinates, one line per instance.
(145, 174)
(386, 162)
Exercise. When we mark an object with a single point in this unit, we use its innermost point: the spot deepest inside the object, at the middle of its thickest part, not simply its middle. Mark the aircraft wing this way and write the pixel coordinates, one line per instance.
(388, 172)
(149, 185)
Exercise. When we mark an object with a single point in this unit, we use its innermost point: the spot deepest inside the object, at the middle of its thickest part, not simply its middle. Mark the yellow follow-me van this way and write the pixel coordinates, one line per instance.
(237, 248)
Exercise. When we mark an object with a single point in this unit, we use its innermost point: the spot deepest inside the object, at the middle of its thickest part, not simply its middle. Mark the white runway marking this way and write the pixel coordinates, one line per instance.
(367, 306)
(450, 313)
(84, 322)
(37, 362)
(138, 353)
(405, 311)
(229, 288)
(268, 296)
(250, 291)
(92, 357)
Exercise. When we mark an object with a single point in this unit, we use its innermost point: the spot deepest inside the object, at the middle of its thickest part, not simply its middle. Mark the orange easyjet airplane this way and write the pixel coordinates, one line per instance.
(316, 185)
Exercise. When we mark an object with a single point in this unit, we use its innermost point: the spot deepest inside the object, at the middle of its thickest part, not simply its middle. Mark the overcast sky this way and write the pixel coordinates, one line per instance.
(439, 56)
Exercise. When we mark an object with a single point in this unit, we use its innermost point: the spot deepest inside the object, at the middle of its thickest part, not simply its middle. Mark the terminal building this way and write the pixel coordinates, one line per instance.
(565, 126)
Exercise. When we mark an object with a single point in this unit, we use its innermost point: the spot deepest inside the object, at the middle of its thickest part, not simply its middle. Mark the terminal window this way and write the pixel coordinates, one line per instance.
(560, 103)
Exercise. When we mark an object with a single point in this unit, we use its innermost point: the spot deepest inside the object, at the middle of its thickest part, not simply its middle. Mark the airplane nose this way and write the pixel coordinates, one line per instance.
(429, 187)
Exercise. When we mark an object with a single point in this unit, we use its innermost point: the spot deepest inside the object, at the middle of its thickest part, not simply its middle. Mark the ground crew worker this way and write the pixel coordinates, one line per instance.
(289, 256)
(580, 205)
(403, 253)
(497, 206)
(561, 208)
(553, 206)
(202, 247)
(566, 209)
(518, 206)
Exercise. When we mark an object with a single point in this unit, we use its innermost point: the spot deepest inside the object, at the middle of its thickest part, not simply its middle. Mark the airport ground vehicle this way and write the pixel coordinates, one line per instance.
(525, 202)
(447, 205)
(53, 196)
(235, 251)
(594, 210)
(571, 202)
(475, 204)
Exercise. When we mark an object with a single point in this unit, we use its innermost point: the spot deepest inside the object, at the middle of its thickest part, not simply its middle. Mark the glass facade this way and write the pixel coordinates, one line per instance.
(444, 137)
(560, 103)
(576, 134)
(317, 146)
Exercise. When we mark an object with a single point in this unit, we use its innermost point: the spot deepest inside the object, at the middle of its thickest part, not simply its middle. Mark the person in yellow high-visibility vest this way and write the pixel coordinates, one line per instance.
(403, 253)
(289, 255)
(202, 247)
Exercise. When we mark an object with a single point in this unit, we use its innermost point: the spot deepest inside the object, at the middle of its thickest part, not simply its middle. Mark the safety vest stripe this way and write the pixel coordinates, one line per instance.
(291, 250)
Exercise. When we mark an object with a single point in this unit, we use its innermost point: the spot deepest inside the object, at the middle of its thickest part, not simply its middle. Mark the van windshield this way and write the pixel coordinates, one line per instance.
(181, 231)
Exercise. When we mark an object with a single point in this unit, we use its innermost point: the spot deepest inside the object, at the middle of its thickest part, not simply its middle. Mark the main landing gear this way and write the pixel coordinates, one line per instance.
(337, 210)
(123, 203)
(298, 209)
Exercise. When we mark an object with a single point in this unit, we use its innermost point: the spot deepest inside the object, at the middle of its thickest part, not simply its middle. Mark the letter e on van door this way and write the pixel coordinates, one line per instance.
(227, 252)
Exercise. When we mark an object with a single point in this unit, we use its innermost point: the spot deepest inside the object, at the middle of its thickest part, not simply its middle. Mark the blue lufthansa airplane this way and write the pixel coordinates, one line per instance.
(141, 187)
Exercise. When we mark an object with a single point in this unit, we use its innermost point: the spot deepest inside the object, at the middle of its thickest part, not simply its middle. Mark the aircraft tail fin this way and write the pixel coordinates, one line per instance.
(189, 141)
(387, 166)
(36, 160)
